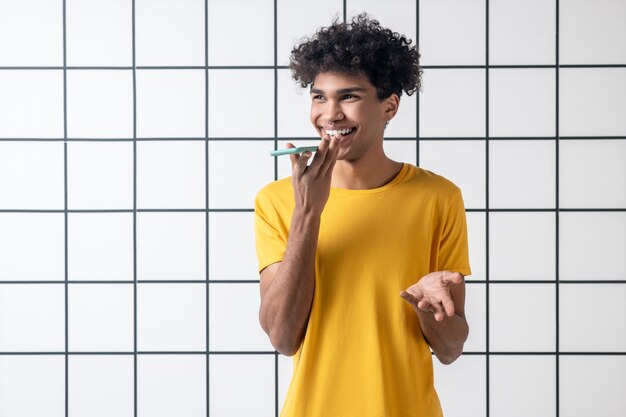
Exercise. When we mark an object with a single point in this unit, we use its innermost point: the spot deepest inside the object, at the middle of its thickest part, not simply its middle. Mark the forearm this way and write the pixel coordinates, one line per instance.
(286, 304)
(445, 337)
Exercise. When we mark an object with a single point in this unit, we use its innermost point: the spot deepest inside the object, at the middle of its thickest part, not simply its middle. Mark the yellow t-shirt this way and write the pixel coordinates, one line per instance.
(363, 354)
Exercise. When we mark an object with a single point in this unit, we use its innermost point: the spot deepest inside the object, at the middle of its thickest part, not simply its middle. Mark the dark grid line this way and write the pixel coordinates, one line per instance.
(256, 281)
(271, 352)
(557, 215)
(207, 205)
(272, 67)
(593, 138)
(251, 210)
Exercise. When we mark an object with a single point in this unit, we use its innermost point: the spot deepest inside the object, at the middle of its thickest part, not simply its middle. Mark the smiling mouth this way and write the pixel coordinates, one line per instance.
(342, 132)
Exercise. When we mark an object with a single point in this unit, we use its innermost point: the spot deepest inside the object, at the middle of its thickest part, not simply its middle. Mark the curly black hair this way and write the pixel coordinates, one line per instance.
(361, 47)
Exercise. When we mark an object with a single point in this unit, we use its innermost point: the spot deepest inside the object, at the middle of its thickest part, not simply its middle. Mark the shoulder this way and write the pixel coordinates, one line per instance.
(278, 193)
(432, 183)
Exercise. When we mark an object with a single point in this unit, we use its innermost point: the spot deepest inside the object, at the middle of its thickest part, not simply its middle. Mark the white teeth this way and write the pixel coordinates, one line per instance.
(340, 131)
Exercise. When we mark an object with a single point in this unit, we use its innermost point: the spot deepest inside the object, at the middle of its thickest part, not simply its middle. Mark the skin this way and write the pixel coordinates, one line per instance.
(356, 161)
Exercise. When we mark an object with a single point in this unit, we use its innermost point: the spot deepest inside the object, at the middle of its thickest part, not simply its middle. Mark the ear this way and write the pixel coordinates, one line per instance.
(391, 105)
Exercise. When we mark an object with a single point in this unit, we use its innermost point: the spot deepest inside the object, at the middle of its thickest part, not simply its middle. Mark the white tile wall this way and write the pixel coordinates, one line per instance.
(143, 298)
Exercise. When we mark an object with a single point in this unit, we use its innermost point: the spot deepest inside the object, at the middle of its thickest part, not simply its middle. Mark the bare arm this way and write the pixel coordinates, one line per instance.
(287, 287)
(439, 301)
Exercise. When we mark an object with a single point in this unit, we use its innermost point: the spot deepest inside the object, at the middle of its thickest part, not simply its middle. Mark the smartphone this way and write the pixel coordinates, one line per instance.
(290, 151)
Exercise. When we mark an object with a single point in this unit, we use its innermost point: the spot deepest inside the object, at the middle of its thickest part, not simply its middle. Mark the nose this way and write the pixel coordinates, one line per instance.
(333, 112)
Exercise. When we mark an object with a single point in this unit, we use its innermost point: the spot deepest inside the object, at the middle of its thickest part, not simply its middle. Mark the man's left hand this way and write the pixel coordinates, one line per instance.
(432, 293)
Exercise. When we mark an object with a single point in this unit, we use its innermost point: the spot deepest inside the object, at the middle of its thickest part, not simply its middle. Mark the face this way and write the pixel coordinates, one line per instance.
(348, 104)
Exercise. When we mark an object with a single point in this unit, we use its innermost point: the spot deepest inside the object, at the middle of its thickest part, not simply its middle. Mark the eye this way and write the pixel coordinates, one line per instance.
(349, 97)
(317, 97)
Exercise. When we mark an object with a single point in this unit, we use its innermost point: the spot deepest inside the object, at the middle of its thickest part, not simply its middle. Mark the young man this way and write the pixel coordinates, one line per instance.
(362, 258)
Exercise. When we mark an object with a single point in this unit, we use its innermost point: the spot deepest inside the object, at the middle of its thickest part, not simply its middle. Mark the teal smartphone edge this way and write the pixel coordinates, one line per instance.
(290, 151)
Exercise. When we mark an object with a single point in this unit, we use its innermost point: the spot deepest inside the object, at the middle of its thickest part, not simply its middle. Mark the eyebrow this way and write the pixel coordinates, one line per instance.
(340, 91)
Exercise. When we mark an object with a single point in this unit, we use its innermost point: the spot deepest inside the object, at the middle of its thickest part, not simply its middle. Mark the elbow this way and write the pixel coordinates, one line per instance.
(453, 351)
(451, 355)
(284, 344)
(281, 341)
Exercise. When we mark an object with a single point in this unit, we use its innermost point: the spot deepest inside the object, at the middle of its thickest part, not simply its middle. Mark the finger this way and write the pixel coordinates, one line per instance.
(448, 305)
(320, 155)
(415, 291)
(330, 159)
(409, 298)
(302, 161)
(452, 278)
(293, 157)
(438, 311)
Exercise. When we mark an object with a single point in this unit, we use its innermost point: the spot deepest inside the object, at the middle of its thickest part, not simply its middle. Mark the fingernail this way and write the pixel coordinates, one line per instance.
(306, 154)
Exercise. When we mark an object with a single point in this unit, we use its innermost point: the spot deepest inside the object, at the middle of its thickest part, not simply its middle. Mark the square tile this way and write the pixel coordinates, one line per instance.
(172, 385)
(234, 377)
(32, 318)
(251, 20)
(229, 115)
(401, 150)
(32, 385)
(462, 386)
(291, 27)
(171, 317)
(285, 372)
(294, 107)
(522, 246)
(476, 236)
(230, 186)
(514, 380)
(31, 104)
(99, 32)
(100, 175)
(100, 246)
(31, 175)
(169, 32)
(602, 182)
(232, 251)
(28, 38)
(101, 386)
(451, 32)
(592, 246)
(32, 246)
(597, 111)
(462, 162)
(592, 33)
(171, 103)
(171, 174)
(522, 174)
(476, 316)
(513, 327)
(592, 385)
(452, 103)
(522, 32)
(603, 317)
(101, 317)
(100, 104)
(522, 102)
(171, 246)
(240, 303)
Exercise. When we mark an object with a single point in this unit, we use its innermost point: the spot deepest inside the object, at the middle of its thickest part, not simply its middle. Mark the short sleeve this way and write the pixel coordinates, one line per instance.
(453, 246)
(270, 232)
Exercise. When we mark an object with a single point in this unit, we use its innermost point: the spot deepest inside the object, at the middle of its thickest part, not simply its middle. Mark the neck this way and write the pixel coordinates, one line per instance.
(367, 173)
